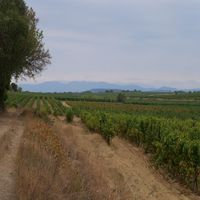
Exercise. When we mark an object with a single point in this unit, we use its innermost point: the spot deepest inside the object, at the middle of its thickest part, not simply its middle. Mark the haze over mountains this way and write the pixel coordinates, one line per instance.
(81, 86)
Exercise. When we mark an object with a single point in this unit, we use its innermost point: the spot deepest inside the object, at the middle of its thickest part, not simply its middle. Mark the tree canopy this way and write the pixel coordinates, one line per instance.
(22, 51)
(121, 97)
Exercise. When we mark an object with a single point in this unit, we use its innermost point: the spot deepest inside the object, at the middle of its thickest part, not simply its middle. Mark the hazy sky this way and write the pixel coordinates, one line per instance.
(139, 41)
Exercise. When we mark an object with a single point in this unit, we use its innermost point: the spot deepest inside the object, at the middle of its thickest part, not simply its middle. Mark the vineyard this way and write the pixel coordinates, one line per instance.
(41, 104)
(145, 98)
(164, 111)
(173, 142)
(103, 104)
(171, 134)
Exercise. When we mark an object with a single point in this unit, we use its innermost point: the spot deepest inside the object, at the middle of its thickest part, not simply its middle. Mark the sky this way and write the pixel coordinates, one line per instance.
(154, 42)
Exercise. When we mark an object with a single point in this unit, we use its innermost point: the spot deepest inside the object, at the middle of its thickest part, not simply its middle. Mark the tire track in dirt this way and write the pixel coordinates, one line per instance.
(124, 168)
(12, 127)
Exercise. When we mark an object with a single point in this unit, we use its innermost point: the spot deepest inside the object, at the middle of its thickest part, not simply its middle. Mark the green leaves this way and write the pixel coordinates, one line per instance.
(22, 51)
(69, 115)
(174, 143)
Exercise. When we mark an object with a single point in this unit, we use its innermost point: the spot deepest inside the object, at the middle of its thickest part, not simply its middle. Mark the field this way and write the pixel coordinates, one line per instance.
(116, 114)
(165, 126)
(39, 103)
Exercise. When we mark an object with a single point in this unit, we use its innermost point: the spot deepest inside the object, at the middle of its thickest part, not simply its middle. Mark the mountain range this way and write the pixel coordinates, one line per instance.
(81, 86)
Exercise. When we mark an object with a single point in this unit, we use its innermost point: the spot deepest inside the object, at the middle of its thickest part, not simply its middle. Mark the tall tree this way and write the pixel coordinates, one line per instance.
(22, 52)
(14, 87)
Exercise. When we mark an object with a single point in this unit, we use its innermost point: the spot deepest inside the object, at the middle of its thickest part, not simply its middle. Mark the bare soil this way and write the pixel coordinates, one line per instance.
(34, 106)
(11, 129)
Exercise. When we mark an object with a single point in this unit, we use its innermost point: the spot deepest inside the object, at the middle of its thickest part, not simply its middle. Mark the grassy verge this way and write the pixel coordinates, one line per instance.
(5, 142)
(44, 171)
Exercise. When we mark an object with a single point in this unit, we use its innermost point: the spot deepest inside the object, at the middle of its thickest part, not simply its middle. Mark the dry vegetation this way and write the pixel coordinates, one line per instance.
(45, 171)
(96, 183)
(5, 143)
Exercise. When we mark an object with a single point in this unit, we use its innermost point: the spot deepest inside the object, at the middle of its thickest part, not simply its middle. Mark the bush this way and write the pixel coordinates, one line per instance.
(69, 115)
(121, 98)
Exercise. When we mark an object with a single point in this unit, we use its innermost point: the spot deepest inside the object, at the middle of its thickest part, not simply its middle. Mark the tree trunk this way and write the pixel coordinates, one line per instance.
(5, 80)
(2, 99)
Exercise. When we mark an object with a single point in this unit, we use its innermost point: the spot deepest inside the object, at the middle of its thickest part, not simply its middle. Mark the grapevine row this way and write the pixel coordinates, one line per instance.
(174, 143)
(40, 104)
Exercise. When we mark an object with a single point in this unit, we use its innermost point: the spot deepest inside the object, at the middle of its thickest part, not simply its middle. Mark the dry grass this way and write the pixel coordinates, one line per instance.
(44, 172)
(5, 142)
(90, 170)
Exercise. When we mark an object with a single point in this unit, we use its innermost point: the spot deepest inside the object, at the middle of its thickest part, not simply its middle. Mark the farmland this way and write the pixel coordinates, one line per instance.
(99, 100)
(41, 104)
(171, 132)
(165, 126)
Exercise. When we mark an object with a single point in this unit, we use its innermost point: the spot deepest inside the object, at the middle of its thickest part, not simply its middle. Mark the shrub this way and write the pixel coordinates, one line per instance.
(69, 115)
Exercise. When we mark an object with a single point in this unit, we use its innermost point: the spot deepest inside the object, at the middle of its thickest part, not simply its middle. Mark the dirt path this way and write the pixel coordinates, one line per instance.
(65, 104)
(34, 106)
(11, 129)
(124, 168)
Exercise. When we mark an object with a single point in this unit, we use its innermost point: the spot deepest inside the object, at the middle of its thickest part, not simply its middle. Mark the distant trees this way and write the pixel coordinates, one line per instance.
(22, 51)
(15, 88)
(121, 97)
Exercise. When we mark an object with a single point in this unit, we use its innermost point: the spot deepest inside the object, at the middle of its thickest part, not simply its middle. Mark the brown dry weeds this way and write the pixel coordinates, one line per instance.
(11, 129)
(5, 143)
(44, 168)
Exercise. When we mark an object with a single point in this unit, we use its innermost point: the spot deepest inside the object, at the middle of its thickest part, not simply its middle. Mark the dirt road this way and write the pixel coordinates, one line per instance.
(11, 129)
(125, 169)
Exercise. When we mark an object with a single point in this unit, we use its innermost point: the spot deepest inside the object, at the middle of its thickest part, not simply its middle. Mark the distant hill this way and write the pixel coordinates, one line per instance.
(165, 89)
(81, 86)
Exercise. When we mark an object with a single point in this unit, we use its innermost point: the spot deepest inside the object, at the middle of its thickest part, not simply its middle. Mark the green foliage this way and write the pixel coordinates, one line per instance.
(38, 103)
(14, 87)
(173, 99)
(166, 111)
(100, 122)
(121, 97)
(174, 143)
(69, 115)
(22, 51)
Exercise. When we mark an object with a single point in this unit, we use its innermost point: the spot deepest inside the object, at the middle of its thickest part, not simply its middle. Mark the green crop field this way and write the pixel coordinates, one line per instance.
(165, 125)
(39, 103)
(169, 131)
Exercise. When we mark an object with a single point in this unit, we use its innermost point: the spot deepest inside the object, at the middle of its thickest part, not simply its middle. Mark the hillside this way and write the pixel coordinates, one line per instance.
(81, 86)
